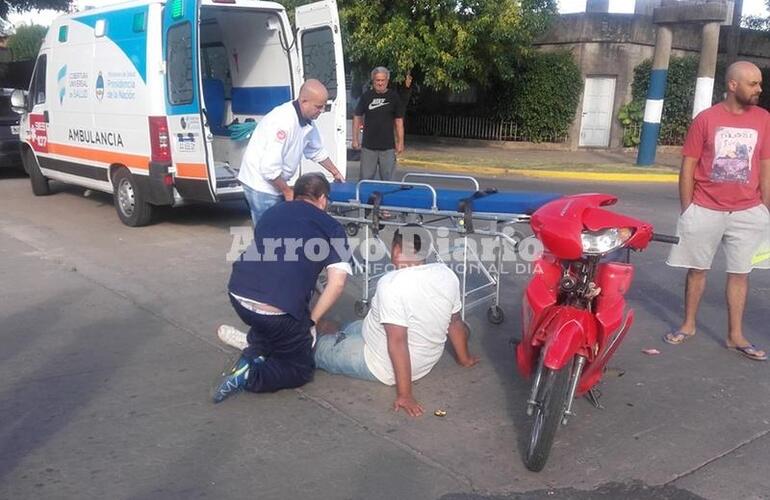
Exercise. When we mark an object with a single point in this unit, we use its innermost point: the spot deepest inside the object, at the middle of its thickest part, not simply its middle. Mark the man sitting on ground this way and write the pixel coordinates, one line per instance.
(415, 308)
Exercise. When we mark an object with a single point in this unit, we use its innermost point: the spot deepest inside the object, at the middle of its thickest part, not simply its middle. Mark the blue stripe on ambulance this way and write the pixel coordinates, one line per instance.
(119, 30)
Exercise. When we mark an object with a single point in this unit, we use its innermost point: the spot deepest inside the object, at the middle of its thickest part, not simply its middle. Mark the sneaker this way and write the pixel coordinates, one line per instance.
(232, 337)
(234, 381)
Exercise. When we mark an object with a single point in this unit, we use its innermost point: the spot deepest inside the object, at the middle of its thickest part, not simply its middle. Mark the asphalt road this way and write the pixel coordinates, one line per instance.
(109, 352)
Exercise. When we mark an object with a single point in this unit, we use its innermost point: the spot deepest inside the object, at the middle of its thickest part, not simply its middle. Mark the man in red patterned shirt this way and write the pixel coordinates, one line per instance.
(724, 191)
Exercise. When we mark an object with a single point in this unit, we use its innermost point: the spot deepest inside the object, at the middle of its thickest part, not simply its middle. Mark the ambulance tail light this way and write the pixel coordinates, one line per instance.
(160, 141)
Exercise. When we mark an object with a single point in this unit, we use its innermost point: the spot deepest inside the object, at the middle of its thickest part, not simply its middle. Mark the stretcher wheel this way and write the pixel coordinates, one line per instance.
(351, 228)
(361, 307)
(495, 315)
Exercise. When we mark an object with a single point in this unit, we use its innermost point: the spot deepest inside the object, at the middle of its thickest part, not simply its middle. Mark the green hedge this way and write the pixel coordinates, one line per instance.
(677, 107)
(543, 97)
(680, 93)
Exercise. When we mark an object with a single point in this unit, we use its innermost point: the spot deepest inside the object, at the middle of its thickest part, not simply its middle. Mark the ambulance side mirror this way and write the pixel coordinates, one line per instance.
(18, 101)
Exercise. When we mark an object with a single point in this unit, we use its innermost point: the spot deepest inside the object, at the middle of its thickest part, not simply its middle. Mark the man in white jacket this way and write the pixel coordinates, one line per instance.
(276, 148)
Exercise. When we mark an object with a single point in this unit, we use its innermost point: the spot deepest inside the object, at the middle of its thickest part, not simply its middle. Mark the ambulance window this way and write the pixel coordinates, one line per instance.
(318, 58)
(37, 89)
(179, 75)
(62, 34)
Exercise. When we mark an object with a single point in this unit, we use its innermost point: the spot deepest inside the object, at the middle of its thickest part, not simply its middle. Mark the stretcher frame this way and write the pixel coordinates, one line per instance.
(356, 214)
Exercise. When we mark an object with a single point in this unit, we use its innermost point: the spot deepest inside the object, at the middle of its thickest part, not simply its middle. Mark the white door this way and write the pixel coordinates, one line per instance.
(195, 177)
(320, 50)
(598, 100)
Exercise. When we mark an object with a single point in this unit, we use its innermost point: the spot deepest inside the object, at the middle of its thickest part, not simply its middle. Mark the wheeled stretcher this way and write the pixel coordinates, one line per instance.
(466, 212)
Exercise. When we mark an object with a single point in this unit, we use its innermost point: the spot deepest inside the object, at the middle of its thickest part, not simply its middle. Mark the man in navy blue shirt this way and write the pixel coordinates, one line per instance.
(271, 286)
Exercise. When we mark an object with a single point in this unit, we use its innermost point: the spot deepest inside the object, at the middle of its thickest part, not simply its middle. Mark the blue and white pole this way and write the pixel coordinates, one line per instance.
(704, 86)
(653, 108)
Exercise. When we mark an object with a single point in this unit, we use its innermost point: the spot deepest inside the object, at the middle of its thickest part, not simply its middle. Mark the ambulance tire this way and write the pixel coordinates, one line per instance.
(130, 201)
(38, 181)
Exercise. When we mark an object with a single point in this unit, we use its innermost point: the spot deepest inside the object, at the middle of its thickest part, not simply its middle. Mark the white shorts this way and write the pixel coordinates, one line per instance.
(701, 230)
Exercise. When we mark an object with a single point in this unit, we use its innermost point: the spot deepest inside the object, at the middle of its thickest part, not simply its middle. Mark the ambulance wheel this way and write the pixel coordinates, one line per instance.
(495, 315)
(351, 228)
(130, 204)
(39, 182)
(361, 307)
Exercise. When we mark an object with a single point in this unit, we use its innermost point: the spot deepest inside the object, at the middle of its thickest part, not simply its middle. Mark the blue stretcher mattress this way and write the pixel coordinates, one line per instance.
(446, 199)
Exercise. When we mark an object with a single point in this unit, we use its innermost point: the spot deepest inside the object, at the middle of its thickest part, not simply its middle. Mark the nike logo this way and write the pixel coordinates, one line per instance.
(377, 103)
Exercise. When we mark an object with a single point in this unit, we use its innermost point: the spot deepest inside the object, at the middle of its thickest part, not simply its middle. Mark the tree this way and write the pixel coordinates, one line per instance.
(26, 5)
(25, 43)
(449, 43)
(757, 22)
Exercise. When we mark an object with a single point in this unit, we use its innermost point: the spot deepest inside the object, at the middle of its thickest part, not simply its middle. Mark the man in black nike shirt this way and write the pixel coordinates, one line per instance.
(382, 114)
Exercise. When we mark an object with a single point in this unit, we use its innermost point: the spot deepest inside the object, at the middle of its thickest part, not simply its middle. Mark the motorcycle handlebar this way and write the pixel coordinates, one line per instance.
(665, 238)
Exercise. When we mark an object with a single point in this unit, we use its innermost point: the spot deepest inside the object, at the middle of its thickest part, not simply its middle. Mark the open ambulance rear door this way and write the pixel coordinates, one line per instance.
(319, 42)
(195, 177)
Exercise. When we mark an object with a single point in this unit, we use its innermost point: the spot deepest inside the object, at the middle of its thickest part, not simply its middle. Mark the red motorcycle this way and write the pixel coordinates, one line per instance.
(574, 312)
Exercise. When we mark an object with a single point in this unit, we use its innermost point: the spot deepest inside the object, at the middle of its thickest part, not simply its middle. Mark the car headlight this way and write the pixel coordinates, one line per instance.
(604, 241)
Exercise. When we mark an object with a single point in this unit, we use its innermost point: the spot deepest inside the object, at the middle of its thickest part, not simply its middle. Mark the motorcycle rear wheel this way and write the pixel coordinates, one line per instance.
(552, 401)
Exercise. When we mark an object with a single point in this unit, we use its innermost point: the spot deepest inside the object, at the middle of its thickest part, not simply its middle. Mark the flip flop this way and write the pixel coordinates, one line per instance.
(750, 351)
(677, 337)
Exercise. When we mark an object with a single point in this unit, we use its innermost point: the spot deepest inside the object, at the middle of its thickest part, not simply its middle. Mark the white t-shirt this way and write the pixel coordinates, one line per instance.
(276, 148)
(421, 298)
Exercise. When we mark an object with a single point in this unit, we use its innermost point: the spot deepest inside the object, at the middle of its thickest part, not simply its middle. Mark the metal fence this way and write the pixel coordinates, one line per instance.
(473, 127)
(666, 138)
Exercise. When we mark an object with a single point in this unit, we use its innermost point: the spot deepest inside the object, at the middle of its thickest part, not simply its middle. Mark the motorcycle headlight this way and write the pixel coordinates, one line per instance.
(604, 241)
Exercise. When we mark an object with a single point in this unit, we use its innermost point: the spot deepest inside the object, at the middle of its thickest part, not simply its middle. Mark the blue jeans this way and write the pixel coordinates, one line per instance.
(259, 202)
(343, 353)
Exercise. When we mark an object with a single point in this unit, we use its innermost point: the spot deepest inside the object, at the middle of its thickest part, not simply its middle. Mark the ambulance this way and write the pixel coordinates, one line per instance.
(139, 99)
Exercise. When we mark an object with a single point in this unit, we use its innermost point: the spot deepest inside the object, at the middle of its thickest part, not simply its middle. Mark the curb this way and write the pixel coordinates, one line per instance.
(543, 174)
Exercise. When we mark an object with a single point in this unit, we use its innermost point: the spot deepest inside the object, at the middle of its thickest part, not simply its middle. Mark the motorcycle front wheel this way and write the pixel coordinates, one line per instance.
(551, 404)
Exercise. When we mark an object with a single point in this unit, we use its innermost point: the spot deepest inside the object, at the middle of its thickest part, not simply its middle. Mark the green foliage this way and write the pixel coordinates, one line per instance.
(26, 5)
(448, 44)
(25, 43)
(631, 116)
(756, 23)
(760, 23)
(680, 92)
(451, 45)
(677, 106)
(543, 97)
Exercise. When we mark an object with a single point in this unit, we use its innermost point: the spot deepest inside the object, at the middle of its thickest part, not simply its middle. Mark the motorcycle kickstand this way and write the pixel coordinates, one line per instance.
(593, 396)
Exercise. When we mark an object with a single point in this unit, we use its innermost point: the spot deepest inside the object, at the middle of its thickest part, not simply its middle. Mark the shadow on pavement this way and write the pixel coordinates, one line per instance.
(36, 407)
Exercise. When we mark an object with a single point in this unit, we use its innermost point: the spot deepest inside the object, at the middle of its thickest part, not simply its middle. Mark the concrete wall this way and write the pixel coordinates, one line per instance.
(614, 44)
